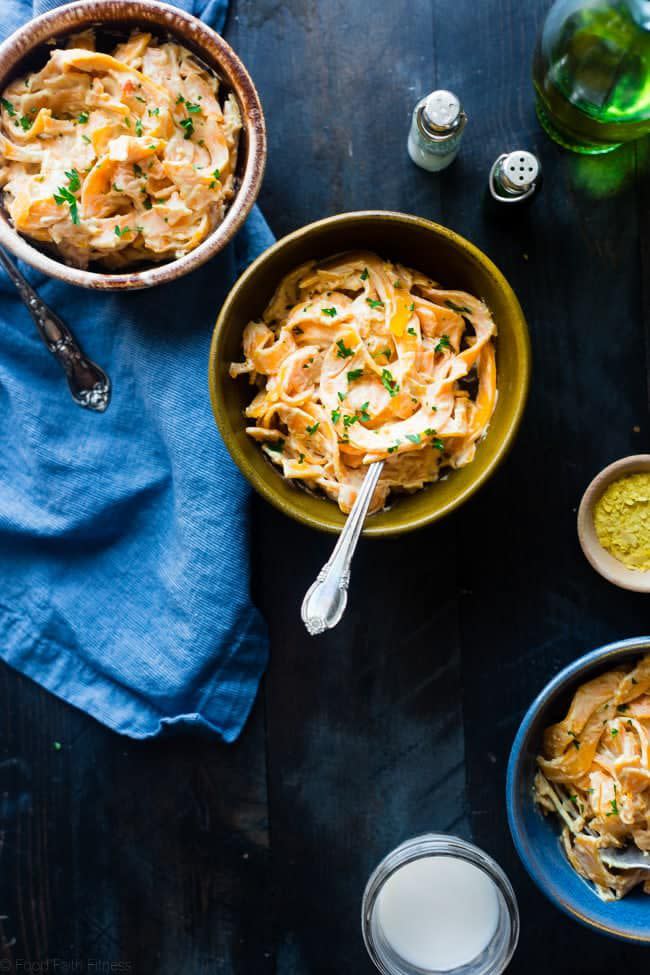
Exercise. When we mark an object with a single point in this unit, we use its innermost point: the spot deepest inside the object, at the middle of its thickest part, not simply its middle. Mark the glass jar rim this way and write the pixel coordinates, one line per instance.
(429, 845)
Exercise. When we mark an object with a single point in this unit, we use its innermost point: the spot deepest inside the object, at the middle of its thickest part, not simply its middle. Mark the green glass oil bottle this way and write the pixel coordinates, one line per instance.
(591, 73)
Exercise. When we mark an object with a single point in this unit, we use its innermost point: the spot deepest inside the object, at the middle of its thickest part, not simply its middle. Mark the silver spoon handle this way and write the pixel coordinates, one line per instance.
(325, 600)
(89, 385)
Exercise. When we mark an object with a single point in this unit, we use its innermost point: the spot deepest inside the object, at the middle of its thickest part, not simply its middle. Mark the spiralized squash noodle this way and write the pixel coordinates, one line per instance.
(355, 360)
(594, 774)
(119, 157)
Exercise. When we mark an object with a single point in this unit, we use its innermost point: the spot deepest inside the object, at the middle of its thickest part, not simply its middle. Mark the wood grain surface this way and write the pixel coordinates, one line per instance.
(184, 856)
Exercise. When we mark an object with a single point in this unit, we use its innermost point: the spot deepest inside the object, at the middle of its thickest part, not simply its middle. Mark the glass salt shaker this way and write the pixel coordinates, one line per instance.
(436, 130)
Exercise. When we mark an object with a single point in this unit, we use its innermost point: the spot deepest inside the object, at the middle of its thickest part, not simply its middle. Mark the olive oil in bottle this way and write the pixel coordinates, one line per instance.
(592, 73)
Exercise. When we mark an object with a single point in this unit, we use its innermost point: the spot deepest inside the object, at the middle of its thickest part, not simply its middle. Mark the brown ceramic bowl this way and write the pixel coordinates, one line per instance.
(418, 243)
(26, 50)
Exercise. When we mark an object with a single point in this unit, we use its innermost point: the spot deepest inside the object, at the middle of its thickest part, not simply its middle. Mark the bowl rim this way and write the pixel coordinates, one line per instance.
(598, 557)
(260, 484)
(630, 646)
(217, 52)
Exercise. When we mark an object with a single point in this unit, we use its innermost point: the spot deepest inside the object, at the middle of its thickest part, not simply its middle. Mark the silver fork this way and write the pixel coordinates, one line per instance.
(325, 600)
(89, 385)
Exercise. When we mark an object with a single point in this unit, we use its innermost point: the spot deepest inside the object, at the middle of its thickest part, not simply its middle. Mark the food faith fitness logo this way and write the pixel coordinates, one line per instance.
(66, 966)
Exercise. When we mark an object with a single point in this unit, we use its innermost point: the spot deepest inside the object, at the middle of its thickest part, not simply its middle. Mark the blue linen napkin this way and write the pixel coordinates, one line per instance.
(124, 555)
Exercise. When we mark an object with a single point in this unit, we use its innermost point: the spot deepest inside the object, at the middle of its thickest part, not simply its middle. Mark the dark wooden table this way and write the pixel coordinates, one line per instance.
(185, 857)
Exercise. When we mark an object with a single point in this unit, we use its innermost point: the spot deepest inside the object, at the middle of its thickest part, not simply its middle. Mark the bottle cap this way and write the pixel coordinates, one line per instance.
(515, 176)
(441, 116)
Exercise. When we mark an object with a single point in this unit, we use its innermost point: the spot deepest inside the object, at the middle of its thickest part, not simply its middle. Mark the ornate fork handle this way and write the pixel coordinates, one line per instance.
(326, 599)
(89, 385)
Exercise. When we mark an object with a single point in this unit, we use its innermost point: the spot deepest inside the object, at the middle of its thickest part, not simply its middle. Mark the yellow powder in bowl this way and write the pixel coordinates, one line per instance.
(622, 521)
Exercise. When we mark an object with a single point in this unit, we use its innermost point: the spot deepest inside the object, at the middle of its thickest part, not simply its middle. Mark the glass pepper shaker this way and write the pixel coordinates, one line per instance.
(436, 130)
(515, 177)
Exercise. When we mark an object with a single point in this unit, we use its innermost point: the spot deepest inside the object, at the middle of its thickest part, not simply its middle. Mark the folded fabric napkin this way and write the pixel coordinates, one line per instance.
(124, 556)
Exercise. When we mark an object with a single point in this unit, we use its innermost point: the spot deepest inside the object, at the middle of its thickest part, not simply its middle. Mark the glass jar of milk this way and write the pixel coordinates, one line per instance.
(439, 904)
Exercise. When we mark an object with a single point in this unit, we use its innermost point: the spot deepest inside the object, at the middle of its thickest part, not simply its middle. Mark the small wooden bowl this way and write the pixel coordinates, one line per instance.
(22, 49)
(604, 563)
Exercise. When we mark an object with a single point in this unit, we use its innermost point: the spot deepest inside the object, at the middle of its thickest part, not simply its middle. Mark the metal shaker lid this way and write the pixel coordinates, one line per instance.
(514, 176)
(441, 115)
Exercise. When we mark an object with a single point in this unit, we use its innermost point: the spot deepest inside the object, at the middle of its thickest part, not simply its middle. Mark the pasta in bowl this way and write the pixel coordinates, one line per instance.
(132, 143)
(594, 773)
(119, 158)
(337, 449)
(358, 359)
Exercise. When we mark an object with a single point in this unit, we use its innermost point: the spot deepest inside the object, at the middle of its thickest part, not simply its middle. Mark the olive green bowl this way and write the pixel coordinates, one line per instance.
(418, 243)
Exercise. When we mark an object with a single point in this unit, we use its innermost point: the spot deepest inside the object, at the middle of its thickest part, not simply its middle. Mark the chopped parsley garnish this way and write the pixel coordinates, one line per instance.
(443, 343)
(614, 804)
(623, 707)
(139, 98)
(152, 111)
(277, 446)
(179, 100)
(147, 203)
(329, 311)
(120, 231)
(64, 194)
(363, 411)
(411, 330)
(301, 458)
(413, 437)
(311, 430)
(391, 450)
(188, 125)
(364, 274)
(336, 416)
(217, 174)
(354, 374)
(429, 432)
(193, 109)
(8, 107)
(343, 351)
(82, 118)
(74, 180)
(575, 743)
(438, 444)
(350, 419)
(412, 306)
(138, 170)
(461, 309)
(118, 189)
(138, 127)
(375, 303)
(86, 139)
(26, 122)
(389, 383)
(341, 397)
(614, 731)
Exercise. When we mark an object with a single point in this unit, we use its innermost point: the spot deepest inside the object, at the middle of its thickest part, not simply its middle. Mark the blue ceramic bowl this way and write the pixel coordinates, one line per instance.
(537, 837)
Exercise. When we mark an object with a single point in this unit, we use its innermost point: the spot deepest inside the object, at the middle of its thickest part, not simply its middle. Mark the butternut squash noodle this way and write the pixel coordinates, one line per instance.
(594, 774)
(357, 359)
(118, 158)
